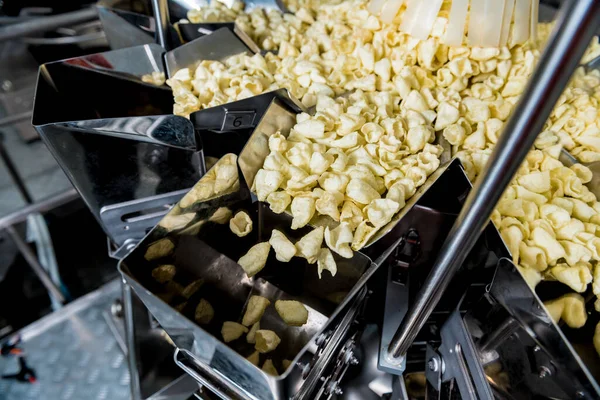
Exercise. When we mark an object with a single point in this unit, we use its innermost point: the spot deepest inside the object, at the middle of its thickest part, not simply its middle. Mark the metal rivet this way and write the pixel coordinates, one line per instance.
(544, 372)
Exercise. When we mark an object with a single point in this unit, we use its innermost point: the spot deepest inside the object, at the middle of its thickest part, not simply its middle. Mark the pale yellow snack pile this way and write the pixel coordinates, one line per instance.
(376, 143)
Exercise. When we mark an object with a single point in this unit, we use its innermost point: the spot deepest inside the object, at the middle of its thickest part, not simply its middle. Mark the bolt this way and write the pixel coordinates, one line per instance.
(6, 85)
(338, 391)
(433, 365)
(536, 349)
(353, 361)
(544, 372)
(320, 339)
(117, 309)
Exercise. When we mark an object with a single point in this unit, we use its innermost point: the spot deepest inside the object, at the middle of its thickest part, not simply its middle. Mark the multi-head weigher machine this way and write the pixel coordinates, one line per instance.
(433, 308)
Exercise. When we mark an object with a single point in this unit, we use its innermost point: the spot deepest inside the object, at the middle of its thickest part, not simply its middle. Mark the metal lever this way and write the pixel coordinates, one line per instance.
(576, 26)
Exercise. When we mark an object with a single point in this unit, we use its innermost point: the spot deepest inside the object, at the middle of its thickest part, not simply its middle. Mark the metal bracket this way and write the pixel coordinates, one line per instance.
(131, 220)
(461, 360)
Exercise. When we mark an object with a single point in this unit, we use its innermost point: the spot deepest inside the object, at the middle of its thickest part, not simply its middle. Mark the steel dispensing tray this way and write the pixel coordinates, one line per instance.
(208, 250)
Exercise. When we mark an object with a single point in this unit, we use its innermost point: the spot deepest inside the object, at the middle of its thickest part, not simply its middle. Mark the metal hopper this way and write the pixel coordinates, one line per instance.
(133, 23)
(128, 156)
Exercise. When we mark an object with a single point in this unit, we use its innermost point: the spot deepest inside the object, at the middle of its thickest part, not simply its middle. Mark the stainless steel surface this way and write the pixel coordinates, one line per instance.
(461, 360)
(73, 353)
(217, 46)
(576, 26)
(160, 10)
(209, 378)
(519, 361)
(133, 219)
(316, 375)
(33, 262)
(209, 256)
(125, 29)
(46, 24)
(43, 206)
(127, 150)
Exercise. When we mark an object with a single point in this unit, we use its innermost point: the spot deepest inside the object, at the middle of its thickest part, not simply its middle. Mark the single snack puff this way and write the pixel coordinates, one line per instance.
(241, 224)
(266, 341)
(159, 249)
(256, 259)
(292, 312)
(204, 312)
(232, 331)
(255, 310)
(164, 273)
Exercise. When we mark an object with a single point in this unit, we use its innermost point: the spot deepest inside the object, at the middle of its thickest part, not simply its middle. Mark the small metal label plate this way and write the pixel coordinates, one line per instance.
(235, 120)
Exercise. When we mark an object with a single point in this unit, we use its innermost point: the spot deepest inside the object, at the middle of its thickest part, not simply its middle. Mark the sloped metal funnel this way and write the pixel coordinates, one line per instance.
(115, 136)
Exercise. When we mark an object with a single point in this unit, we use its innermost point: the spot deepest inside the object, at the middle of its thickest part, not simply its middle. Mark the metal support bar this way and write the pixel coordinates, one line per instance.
(136, 393)
(41, 207)
(46, 24)
(576, 26)
(14, 174)
(33, 262)
(160, 9)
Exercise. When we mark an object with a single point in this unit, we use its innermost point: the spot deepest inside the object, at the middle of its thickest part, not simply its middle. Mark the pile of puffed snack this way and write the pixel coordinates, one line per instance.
(383, 100)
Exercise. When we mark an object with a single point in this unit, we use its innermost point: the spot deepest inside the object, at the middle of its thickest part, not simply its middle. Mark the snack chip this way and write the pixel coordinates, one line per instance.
(241, 224)
(309, 245)
(256, 259)
(284, 249)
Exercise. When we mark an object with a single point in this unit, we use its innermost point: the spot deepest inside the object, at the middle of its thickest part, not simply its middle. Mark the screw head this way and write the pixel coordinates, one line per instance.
(433, 365)
(338, 390)
(354, 361)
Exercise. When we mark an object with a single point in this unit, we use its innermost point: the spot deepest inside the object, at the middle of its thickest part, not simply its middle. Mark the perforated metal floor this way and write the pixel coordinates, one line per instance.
(74, 354)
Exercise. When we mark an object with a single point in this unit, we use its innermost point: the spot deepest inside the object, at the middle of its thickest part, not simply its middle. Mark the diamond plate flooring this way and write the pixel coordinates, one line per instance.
(74, 354)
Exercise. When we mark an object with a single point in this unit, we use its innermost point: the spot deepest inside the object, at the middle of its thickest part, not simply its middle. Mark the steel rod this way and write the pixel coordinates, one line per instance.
(14, 174)
(46, 24)
(33, 262)
(40, 207)
(160, 9)
(577, 23)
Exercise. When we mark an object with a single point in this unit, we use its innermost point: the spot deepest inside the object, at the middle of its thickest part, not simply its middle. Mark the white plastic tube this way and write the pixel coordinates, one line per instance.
(456, 23)
(476, 22)
(492, 25)
(390, 9)
(509, 8)
(426, 15)
(535, 16)
(375, 6)
(522, 21)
